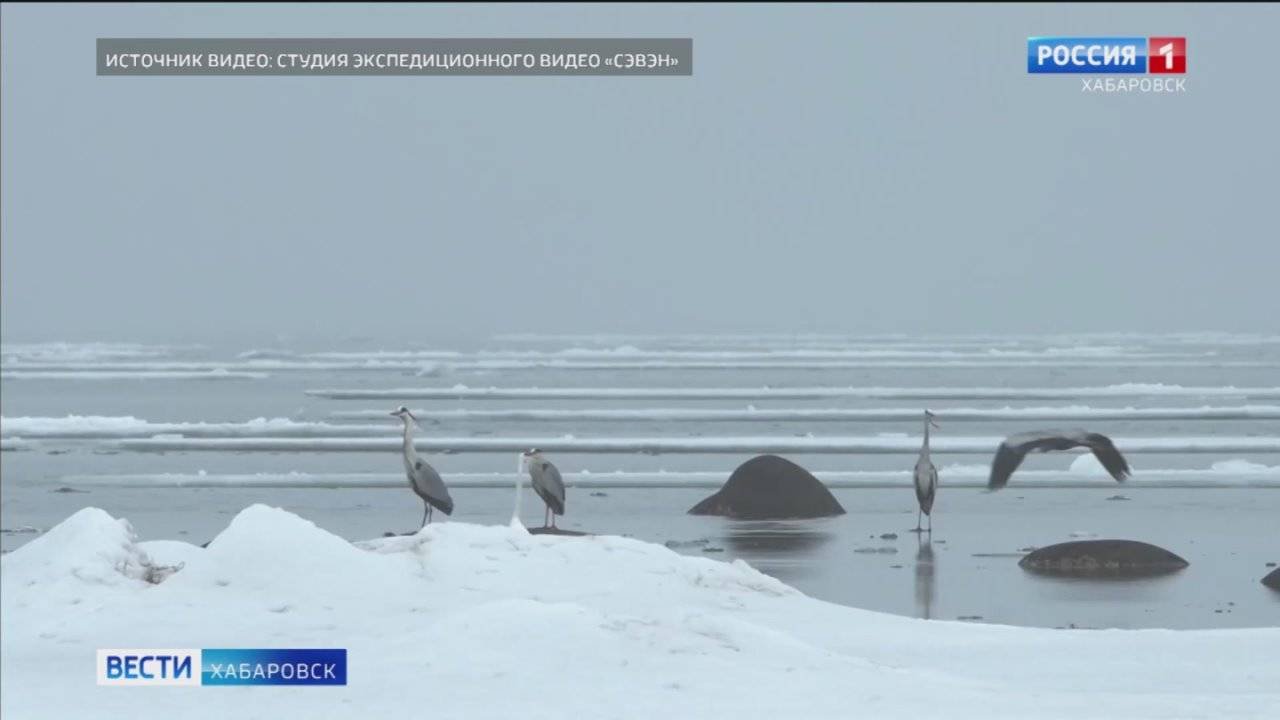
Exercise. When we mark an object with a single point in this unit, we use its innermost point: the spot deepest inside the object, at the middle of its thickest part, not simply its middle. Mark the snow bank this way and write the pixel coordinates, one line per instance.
(876, 444)
(15, 444)
(1128, 339)
(629, 357)
(81, 351)
(750, 414)
(197, 366)
(491, 622)
(462, 392)
(123, 426)
(1228, 473)
(264, 548)
(631, 352)
(83, 558)
(1242, 467)
(214, 374)
(775, 364)
(425, 366)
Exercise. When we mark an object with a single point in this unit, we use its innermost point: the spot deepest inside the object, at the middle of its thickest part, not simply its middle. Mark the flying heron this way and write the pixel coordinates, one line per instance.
(1015, 447)
(926, 476)
(423, 479)
(547, 483)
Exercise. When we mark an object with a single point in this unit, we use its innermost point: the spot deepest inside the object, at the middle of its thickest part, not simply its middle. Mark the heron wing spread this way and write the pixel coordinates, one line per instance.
(1109, 456)
(1008, 458)
(1011, 452)
(1045, 440)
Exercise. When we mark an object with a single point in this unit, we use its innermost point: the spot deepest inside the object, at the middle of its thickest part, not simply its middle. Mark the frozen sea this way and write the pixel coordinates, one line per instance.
(179, 439)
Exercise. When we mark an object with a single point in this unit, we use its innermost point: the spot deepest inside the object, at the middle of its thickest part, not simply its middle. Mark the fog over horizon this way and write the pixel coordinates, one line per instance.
(826, 169)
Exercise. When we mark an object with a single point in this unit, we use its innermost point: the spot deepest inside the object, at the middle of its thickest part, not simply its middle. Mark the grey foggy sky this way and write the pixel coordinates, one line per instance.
(826, 169)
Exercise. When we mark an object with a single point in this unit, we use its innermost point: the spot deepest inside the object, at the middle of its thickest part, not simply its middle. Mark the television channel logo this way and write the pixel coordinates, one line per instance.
(1157, 55)
(223, 666)
(148, 667)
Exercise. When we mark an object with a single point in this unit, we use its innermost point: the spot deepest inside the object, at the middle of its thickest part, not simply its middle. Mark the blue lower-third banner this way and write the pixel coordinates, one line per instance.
(273, 666)
(224, 666)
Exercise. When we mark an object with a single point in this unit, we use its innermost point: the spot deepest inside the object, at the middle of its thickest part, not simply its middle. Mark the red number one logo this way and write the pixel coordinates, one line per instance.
(1167, 55)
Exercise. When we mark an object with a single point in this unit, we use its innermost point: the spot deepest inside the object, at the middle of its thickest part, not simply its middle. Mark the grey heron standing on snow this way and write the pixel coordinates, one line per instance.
(926, 476)
(423, 479)
(547, 483)
(1015, 447)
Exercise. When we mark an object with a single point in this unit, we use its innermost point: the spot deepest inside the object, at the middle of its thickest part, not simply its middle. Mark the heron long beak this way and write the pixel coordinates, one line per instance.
(394, 413)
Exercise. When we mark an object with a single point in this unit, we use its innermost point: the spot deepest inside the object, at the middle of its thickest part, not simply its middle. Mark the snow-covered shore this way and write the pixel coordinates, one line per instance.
(476, 621)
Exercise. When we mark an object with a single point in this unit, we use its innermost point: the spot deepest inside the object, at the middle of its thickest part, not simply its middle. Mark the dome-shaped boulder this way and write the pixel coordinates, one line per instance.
(1103, 558)
(1272, 579)
(768, 487)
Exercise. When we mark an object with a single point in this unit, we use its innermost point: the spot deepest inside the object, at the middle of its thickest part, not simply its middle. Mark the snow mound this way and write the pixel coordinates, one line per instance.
(266, 548)
(491, 622)
(86, 552)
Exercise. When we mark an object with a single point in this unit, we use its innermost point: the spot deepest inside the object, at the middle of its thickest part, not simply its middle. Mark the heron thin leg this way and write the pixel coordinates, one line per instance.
(425, 510)
(553, 519)
(917, 521)
(930, 524)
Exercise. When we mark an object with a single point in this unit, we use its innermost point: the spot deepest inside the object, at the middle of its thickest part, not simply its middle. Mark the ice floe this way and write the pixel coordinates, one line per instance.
(463, 392)
(890, 444)
(1225, 473)
(212, 374)
(751, 414)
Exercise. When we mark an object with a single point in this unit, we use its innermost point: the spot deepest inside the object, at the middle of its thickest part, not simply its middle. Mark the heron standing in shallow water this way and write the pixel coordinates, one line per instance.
(425, 482)
(547, 483)
(926, 476)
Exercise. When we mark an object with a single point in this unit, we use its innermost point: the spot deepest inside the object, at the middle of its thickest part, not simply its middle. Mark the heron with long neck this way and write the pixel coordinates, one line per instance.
(425, 482)
(926, 476)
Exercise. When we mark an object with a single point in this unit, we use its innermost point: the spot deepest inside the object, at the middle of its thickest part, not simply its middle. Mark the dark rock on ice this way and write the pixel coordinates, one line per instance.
(1272, 579)
(1102, 558)
(768, 487)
